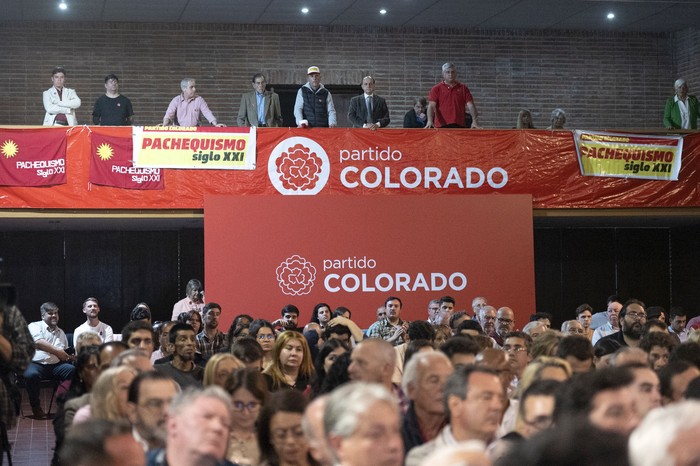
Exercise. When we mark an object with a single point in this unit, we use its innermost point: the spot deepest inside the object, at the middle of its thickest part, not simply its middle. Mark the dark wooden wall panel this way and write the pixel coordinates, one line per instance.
(685, 270)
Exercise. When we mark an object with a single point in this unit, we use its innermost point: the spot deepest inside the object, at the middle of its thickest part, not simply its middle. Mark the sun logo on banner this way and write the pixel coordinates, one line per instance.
(105, 151)
(298, 166)
(296, 276)
(9, 149)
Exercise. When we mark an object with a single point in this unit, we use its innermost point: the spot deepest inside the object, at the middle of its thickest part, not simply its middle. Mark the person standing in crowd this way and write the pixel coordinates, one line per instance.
(447, 101)
(187, 108)
(260, 108)
(112, 108)
(314, 104)
(682, 110)
(60, 102)
(368, 110)
(194, 299)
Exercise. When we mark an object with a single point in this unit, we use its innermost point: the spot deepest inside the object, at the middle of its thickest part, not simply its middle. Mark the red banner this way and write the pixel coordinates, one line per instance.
(541, 163)
(112, 165)
(32, 157)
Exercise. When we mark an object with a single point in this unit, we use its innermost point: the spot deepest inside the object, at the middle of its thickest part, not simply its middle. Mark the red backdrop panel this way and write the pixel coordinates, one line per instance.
(263, 252)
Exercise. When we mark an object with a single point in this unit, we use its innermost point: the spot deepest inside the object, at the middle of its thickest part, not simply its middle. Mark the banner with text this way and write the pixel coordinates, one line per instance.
(355, 251)
(209, 148)
(112, 165)
(629, 155)
(32, 157)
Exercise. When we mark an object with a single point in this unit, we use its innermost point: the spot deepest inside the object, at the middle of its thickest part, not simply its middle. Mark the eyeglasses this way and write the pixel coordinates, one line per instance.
(250, 406)
(505, 321)
(268, 336)
(576, 330)
(514, 349)
(636, 315)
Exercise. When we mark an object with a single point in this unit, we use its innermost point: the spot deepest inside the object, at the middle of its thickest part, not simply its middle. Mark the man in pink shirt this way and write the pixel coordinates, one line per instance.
(187, 108)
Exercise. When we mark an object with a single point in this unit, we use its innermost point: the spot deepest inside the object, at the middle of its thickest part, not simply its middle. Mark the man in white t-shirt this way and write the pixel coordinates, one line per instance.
(91, 308)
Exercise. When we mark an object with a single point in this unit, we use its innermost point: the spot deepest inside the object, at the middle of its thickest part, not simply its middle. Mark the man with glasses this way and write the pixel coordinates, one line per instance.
(260, 108)
(611, 313)
(632, 318)
(150, 395)
(505, 323)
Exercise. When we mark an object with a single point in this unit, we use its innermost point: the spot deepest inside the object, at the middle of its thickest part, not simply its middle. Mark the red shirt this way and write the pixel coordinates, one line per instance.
(451, 103)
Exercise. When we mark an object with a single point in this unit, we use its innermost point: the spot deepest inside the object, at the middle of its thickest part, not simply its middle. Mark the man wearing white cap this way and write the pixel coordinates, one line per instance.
(314, 104)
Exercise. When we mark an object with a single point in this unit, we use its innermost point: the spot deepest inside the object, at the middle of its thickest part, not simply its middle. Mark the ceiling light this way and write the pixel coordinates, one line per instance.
(304, 10)
(611, 15)
(63, 5)
(382, 11)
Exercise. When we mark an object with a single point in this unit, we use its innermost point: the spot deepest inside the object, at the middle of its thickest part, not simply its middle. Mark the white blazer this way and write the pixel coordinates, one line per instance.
(54, 105)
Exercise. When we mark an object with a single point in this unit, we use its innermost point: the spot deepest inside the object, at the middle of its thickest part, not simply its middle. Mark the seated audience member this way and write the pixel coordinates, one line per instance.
(192, 318)
(474, 399)
(337, 332)
(337, 375)
(632, 317)
(342, 311)
(667, 436)
(392, 328)
(249, 352)
(544, 317)
(108, 398)
(327, 355)
(109, 351)
(416, 347)
(280, 436)
(342, 321)
(517, 346)
(292, 367)
(423, 383)
(182, 369)
(558, 119)
(198, 429)
(417, 330)
(101, 442)
(656, 326)
(312, 425)
(577, 351)
(219, 367)
(139, 334)
(289, 319)
(141, 312)
(478, 303)
(524, 120)
(353, 416)
(442, 334)
(314, 338)
(242, 319)
(210, 340)
(264, 334)
(237, 332)
(675, 377)
(626, 355)
(456, 319)
(693, 390)
(417, 116)
(656, 313)
(646, 388)
(50, 361)
(373, 361)
(572, 327)
(505, 323)
(603, 397)
(659, 347)
(564, 446)
(546, 344)
(149, 396)
(461, 350)
(248, 392)
(91, 309)
(603, 351)
(469, 327)
(681, 110)
(135, 358)
(535, 329)
(86, 339)
(193, 301)
(497, 360)
(688, 351)
(487, 319)
(321, 315)
(608, 320)
(163, 336)
(87, 369)
(545, 368)
(584, 313)
(464, 453)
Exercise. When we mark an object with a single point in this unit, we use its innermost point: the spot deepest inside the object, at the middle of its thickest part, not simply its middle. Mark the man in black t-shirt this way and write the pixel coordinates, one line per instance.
(112, 109)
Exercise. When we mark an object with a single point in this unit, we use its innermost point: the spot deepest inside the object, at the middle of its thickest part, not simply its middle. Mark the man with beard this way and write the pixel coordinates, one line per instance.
(150, 395)
(211, 340)
(392, 329)
(182, 368)
(487, 319)
(91, 308)
(50, 360)
(505, 323)
(632, 318)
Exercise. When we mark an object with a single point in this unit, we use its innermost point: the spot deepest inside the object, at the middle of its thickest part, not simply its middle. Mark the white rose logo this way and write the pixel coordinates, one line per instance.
(296, 276)
(298, 166)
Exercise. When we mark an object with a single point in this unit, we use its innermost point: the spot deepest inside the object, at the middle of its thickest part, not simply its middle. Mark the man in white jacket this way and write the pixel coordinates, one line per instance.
(60, 102)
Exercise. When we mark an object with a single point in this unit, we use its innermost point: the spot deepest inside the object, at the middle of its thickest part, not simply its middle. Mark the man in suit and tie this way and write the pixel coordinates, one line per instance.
(260, 107)
(368, 110)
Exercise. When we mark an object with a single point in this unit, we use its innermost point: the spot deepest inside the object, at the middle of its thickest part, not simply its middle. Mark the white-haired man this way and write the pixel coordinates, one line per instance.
(448, 101)
(682, 110)
(362, 425)
(187, 108)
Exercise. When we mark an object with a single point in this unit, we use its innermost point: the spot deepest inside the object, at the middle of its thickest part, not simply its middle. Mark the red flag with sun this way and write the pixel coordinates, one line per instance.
(112, 165)
(32, 157)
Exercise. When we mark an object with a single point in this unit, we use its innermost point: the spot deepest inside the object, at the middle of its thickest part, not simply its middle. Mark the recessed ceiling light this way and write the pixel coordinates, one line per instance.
(304, 10)
(63, 5)
(611, 15)
(382, 11)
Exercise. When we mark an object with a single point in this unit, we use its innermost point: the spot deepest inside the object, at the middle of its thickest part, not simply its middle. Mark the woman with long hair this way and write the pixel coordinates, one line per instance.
(219, 367)
(280, 436)
(321, 315)
(327, 355)
(291, 366)
(264, 334)
(109, 397)
(248, 391)
(524, 120)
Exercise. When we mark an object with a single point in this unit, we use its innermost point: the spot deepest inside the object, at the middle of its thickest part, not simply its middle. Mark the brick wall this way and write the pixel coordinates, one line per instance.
(686, 53)
(602, 79)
